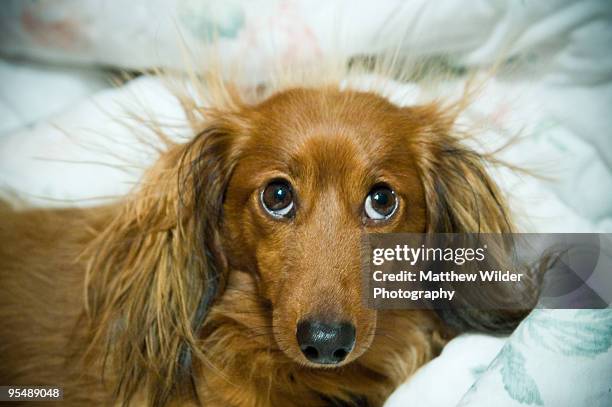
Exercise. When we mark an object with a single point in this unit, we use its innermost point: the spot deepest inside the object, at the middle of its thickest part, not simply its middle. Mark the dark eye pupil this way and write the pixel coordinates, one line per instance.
(277, 196)
(380, 198)
(383, 200)
(280, 193)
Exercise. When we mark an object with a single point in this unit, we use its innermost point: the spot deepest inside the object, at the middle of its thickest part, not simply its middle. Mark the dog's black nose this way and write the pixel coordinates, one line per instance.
(325, 343)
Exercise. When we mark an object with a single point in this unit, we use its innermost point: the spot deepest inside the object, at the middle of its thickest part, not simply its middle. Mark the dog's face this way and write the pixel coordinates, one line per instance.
(317, 170)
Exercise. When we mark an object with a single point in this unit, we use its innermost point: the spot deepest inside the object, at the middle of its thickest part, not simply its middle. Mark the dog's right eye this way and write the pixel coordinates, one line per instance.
(277, 199)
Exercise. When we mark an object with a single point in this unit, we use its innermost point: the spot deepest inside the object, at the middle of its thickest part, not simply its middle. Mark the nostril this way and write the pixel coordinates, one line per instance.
(310, 352)
(340, 354)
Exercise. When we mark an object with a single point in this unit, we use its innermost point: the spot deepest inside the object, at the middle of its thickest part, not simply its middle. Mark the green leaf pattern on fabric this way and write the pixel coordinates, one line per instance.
(584, 333)
(209, 20)
(519, 385)
(581, 333)
(478, 370)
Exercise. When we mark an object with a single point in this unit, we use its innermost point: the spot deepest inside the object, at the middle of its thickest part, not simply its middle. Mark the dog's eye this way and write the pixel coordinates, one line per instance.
(381, 203)
(277, 198)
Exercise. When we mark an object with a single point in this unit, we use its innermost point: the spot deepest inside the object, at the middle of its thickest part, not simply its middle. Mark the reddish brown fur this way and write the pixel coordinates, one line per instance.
(120, 286)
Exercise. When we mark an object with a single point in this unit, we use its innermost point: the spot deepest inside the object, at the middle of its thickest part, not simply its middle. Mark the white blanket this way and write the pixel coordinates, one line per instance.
(58, 147)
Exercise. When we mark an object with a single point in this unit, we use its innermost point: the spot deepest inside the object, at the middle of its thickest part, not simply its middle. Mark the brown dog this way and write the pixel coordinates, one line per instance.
(231, 276)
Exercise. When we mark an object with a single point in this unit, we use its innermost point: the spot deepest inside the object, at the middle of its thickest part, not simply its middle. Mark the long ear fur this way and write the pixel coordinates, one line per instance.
(461, 198)
(156, 269)
(460, 195)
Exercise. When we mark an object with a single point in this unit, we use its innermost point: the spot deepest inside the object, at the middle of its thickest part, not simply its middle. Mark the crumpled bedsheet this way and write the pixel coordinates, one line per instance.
(557, 96)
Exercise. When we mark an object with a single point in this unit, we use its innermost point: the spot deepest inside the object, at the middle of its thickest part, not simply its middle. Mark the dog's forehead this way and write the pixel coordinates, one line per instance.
(322, 139)
(301, 108)
(315, 127)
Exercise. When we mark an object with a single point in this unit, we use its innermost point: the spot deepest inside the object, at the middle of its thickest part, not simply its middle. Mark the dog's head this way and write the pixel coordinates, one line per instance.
(284, 190)
(317, 169)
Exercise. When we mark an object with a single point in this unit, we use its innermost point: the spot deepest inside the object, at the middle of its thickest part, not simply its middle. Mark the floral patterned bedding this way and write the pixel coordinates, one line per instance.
(559, 93)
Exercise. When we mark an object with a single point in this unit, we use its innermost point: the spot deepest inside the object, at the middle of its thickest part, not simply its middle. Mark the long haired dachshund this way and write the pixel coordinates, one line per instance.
(231, 275)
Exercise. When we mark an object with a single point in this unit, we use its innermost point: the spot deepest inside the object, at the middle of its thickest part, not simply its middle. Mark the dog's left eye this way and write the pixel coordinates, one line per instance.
(277, 198)
(381, 203)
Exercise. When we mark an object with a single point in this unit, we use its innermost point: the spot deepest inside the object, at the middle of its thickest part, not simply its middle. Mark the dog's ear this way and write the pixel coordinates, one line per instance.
(155, 270)
(460, 197)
